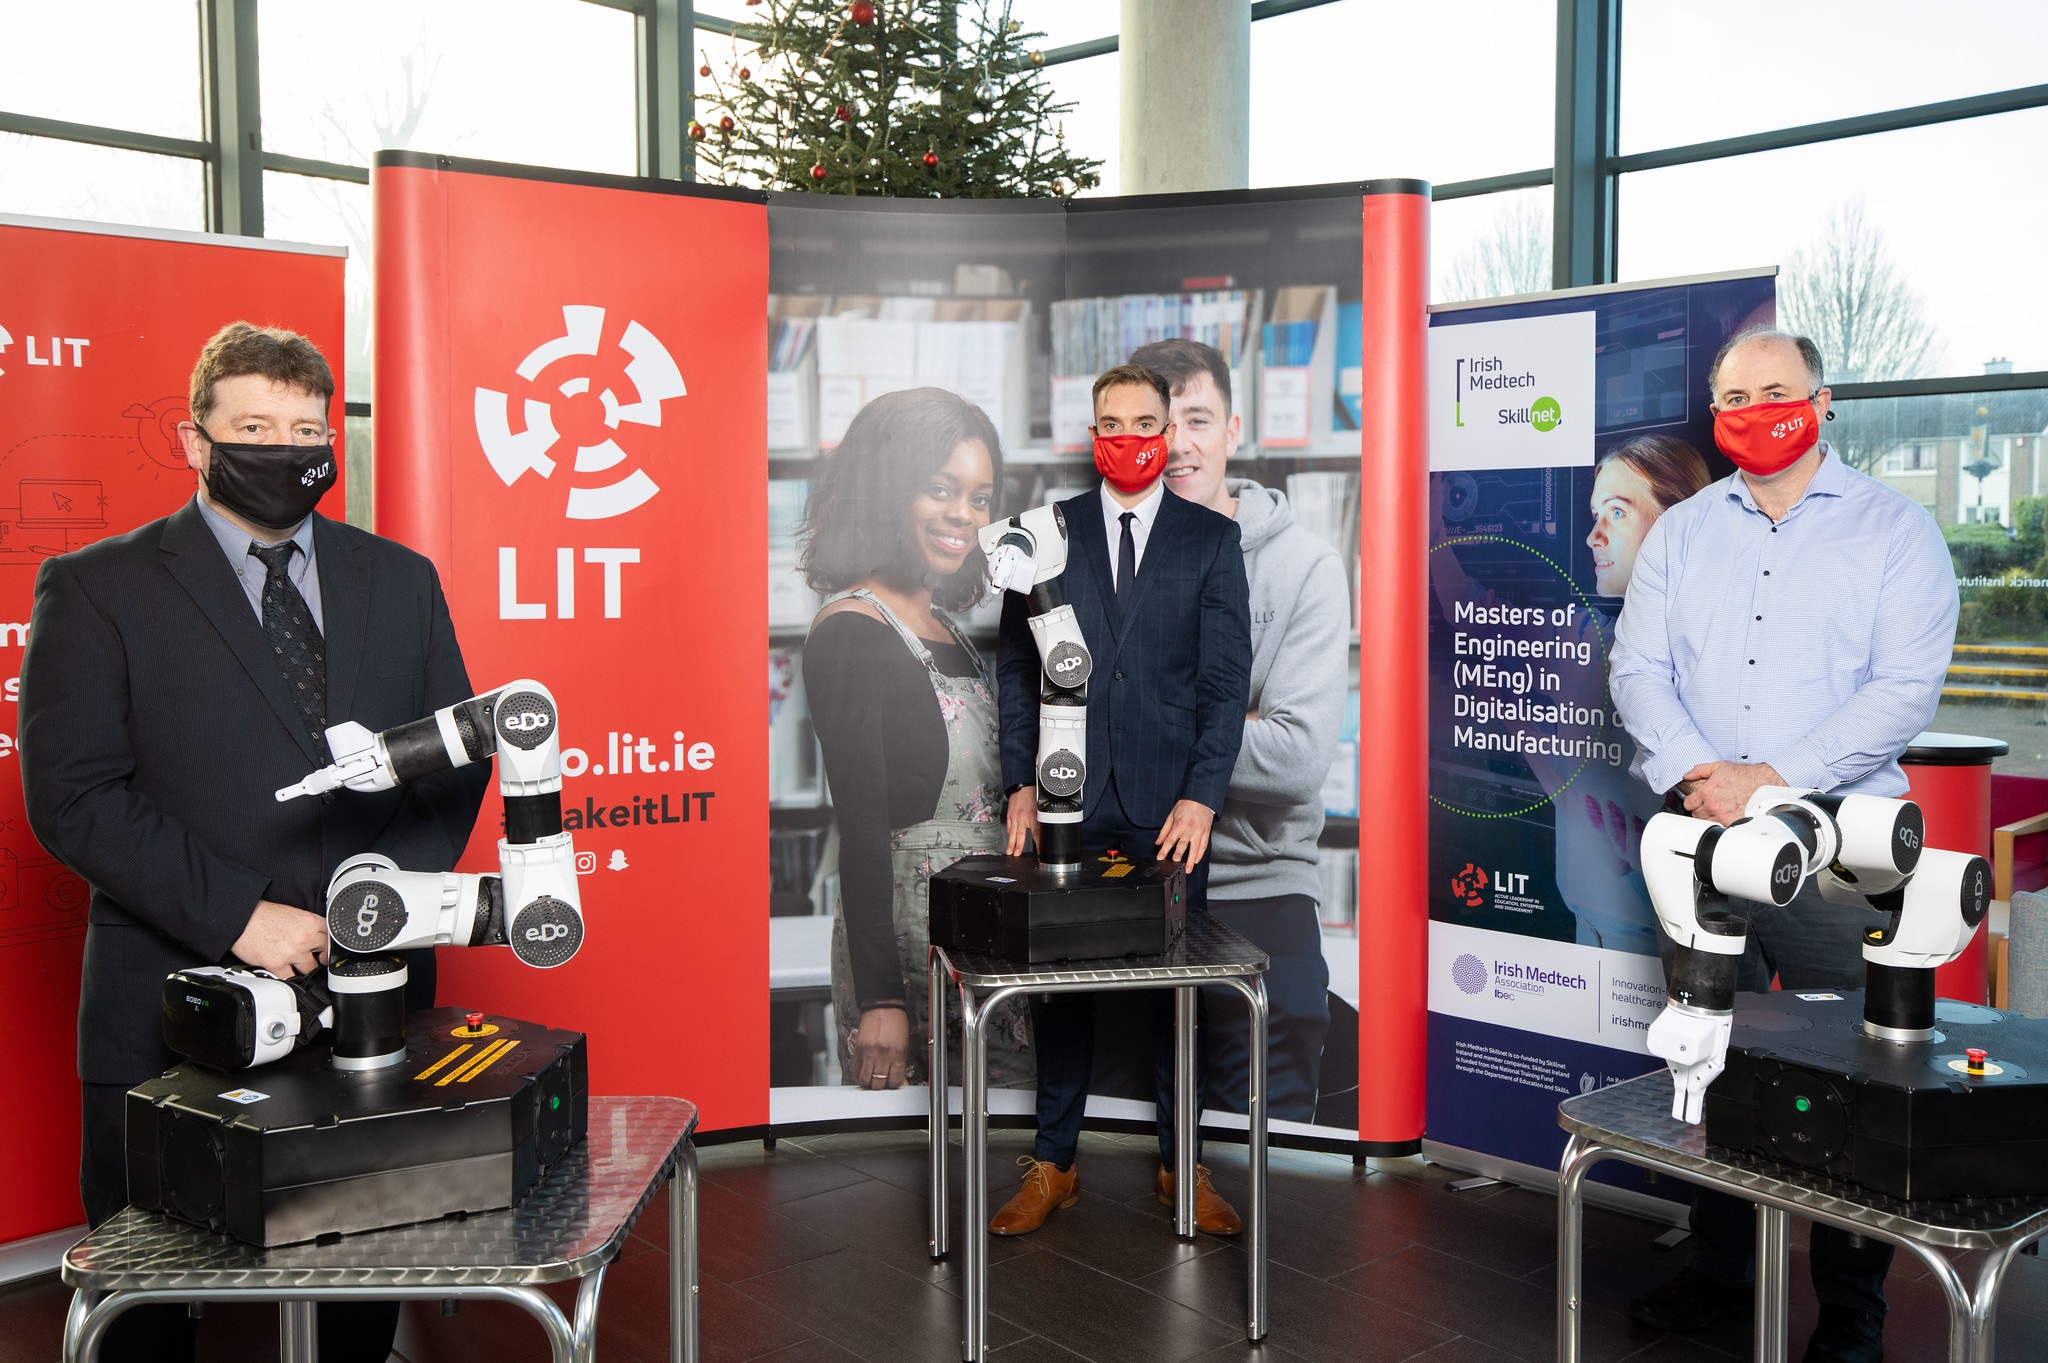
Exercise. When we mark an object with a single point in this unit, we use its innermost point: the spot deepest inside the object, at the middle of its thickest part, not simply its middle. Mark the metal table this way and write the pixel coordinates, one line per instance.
(1632, 1122)
(1207, 953)
(572, 1226)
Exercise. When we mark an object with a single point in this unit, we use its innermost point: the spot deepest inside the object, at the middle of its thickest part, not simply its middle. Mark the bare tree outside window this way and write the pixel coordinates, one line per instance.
(1513, 258)
(1845, 292)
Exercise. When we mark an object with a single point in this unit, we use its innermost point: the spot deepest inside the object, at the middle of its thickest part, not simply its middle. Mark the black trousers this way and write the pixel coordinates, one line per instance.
(1063, 1025)
(349, 1332)
(1289, 930)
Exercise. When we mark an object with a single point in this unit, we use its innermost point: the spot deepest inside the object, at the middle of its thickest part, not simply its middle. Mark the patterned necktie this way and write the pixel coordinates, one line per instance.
(1126, 564)
(301, 653)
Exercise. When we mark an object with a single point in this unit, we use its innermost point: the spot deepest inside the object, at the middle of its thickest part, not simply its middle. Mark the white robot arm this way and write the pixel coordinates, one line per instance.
(1027, 554)
(1868, 853)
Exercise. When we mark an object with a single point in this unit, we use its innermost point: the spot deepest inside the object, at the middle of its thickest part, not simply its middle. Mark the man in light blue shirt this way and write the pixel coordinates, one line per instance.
(1789, 625)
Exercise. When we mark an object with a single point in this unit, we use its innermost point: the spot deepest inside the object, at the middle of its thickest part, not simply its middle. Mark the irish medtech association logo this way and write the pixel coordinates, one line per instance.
(591, 424)
(1468, 972)
(1468, 887)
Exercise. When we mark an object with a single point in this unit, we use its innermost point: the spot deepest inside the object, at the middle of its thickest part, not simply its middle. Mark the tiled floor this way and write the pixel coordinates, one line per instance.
(815, 1253)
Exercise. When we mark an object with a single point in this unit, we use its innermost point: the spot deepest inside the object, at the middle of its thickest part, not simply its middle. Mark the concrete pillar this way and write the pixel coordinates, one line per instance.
(1187, 94)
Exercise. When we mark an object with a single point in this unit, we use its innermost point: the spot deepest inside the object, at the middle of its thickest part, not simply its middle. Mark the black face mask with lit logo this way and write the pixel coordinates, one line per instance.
(273, 487)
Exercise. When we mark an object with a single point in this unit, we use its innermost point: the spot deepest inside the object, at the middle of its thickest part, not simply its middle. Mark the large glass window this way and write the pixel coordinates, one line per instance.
(51, 179)
(1694, 73)
(1974, 460)
(330, 213)
(130, 64)
(1490, 246)
(1095, 86)
(1907, 253)
(543, 82)
(1373, 88)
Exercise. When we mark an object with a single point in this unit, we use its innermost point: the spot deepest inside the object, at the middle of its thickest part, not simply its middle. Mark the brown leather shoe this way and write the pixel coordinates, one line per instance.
(1045, 1187)
(1212, 1214)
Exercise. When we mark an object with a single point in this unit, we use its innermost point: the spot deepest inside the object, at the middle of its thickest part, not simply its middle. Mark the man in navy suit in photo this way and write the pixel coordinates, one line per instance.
(1158, 584)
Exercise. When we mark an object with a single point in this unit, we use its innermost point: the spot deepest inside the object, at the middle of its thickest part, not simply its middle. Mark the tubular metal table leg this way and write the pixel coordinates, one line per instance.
(1255, 1323)
(298, 1332)
(1185, 1113)
(1961, 1308)
(1571, 1176)
(974, 1160)
(684, 1341)
(1772, 1341)
(935, 1096)
(82, 1303)
(588, 1293)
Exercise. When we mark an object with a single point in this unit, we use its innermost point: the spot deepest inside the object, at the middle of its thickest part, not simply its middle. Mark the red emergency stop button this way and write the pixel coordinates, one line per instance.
(1976, 1056)
(476, 1024)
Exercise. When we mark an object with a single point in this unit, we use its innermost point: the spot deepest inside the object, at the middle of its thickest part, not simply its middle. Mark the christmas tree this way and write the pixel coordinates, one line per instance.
(911, 98)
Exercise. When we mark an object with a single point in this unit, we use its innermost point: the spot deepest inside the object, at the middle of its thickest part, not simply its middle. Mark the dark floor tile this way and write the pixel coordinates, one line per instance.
(2026, 1286)
(892, 1225)
(480, 1332)
(1677, 1349)
(1034, 1349)
(1117, 1239)
(1463, 1349)
(32, 1319)
(1243, 1351)
(633, 1317)
(1097, 1316)
(1517, 1316)
(871, 1309)
(739, 1239)
(816, 1349)
(1602, 1225)
(1308, 1317)
(769, 1177)
(242, 1332)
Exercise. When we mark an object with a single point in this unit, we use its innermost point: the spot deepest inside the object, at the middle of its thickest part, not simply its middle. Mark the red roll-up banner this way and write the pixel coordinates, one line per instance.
(571, 401)
(1393, 694)
(99, 329)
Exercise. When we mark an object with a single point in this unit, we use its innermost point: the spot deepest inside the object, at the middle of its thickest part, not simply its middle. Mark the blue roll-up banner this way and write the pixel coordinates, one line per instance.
(1561, 427)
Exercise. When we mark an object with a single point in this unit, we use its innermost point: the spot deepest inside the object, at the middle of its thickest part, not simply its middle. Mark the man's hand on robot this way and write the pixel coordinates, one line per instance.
(1695, 1046)
(355, 765)
(1010, 569)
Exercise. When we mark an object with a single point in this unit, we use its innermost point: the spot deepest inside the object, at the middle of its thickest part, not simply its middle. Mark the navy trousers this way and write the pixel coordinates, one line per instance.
(1063, 1025)
(1807, 944)
(1289, 930)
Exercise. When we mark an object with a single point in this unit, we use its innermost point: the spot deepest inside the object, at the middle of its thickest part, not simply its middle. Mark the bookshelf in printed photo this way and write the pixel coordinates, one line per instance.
(1090, 335)
(1309, 356)
(975, 347)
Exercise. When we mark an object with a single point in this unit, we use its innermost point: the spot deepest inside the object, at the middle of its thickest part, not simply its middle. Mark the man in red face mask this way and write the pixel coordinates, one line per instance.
(1158, 584)
(1789, 625)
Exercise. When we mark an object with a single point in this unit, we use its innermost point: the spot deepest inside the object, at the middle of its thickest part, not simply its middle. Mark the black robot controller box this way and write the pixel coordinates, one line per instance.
(1015, 909)
(470, 1121)
(1921, 1120)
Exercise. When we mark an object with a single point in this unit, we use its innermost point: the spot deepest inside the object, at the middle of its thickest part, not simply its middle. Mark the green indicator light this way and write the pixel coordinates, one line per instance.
(1803, 1104)
(556, 1102)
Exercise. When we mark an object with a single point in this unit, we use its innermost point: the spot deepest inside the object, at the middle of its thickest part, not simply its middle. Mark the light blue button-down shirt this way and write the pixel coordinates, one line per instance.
(1817, 643)
(303, 570)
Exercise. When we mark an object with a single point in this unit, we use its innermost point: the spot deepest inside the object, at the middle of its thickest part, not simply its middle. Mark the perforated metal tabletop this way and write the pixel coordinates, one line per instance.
(1207, 950)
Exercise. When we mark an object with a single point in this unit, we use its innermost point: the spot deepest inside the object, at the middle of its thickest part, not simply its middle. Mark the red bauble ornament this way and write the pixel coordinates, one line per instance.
(725, 123)
(863, 12)
(745, 74)
(818, 173)
(843, 114)
(703, 70)
(931, 160)
(696, 131)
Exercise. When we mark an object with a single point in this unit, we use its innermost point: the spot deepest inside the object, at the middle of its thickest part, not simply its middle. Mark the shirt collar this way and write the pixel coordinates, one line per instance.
(234, 542)
(1148, 510)
(1831, 479)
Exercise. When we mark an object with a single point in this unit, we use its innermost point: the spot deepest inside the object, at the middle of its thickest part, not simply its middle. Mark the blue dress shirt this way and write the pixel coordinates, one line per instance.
(303, 570)
(1817, 643)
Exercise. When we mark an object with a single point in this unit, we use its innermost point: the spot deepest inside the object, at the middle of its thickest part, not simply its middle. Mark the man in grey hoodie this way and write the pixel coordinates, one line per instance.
(1263, 881)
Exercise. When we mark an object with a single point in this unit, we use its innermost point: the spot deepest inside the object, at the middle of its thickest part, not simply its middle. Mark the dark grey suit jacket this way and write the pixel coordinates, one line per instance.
(155, 727)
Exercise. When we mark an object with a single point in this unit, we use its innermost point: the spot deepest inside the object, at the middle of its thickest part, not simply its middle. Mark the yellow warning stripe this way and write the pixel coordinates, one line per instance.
(442, 1061)
(483, 1060)
(1122, 868)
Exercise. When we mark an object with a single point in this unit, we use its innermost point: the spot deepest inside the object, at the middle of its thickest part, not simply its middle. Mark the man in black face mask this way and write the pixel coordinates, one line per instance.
(175, 677)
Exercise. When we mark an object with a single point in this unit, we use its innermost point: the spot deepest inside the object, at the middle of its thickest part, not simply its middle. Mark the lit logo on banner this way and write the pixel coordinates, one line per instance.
(513, 454)
(52, 353)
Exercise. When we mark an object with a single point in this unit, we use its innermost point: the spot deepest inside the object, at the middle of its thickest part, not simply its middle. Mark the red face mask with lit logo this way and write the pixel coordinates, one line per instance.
(1131, 463)
(1766, 437)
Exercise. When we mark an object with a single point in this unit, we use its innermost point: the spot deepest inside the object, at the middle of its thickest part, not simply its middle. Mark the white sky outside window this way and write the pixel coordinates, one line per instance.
(130, 64)
(50, 179)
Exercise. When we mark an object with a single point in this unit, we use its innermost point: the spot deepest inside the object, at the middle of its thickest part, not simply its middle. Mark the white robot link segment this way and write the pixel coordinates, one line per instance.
(1868, 852)
(375, 908)
(1027, 554)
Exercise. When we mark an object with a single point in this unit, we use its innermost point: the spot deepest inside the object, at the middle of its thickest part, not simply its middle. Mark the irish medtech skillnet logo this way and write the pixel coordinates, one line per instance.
(653, 378)
(1468, 972)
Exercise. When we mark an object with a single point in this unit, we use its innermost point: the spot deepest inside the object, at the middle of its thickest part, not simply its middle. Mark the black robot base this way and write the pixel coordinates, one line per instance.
(1015, 909)
(1922, 1120)
(479, 1110)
